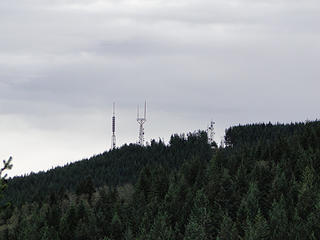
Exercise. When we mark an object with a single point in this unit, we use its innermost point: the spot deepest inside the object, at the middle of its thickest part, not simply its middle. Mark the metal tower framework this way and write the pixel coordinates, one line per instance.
(141, 121)
(113, 138)
(211, 133)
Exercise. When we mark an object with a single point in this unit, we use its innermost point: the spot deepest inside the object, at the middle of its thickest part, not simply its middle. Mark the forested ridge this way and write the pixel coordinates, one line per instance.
(264, 184)
(112, 168)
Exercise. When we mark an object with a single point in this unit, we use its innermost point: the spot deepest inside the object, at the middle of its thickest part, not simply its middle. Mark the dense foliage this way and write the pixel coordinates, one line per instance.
(112, 168)
(263, 185)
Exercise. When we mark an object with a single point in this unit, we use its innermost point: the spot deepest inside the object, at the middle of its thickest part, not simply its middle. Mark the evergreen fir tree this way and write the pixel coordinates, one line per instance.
(278, 220)
(228, 230)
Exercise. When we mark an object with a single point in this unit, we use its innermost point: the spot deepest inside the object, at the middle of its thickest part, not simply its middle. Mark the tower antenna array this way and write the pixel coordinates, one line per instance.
(141, 121)
(211, 133)
(113, 139)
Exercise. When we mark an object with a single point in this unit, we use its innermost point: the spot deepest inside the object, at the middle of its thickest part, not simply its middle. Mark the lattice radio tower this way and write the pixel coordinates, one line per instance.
(141, 121)
(211, 133)
(113, 138)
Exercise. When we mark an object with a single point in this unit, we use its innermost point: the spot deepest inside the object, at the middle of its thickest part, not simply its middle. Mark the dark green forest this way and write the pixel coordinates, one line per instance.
(264, 184)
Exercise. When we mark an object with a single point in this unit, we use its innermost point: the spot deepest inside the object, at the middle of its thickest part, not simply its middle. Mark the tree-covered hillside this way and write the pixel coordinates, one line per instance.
(116, 167)
(263, 185)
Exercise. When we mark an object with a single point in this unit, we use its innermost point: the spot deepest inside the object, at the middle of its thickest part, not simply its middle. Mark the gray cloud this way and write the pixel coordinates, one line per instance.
(62, 64)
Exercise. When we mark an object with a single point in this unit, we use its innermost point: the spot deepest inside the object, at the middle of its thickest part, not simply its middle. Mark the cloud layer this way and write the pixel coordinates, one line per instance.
(63, 63)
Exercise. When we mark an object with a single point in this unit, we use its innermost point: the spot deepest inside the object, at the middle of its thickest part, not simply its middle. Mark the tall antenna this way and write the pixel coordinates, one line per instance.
(211, 133)
(113, 139)
(141, 121)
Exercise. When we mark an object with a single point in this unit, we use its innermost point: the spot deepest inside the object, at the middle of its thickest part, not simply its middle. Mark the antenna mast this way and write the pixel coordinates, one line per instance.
(113, 139)
(211, 133)
(141, 121)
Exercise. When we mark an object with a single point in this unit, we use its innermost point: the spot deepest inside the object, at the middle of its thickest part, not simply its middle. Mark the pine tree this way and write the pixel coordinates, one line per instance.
(252, 202)
(161, 230)
(307, 193)
(278, 220)
(257, 229)
(116, 227)
(199, 223)
(228, 230)
(128, 235)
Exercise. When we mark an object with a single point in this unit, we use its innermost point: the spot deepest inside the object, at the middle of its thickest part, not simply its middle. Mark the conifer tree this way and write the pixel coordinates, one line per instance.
(228, 230)
(116, 227)
(278, 220)
(257, 229)
(198, 226)
(161, 230)
(252, 202)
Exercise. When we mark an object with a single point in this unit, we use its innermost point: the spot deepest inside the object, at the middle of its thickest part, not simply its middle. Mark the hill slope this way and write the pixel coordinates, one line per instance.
(263, 185)
(116, 167)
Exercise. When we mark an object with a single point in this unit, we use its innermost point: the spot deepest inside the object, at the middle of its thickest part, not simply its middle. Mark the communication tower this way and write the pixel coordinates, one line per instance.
(113, 138)
(141, 121)
(210, 132)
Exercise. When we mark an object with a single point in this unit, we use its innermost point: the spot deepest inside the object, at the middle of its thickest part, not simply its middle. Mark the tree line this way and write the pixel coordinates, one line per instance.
(263, 185)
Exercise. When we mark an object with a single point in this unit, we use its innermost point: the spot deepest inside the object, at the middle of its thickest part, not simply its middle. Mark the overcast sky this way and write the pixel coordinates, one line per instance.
(63, 63)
